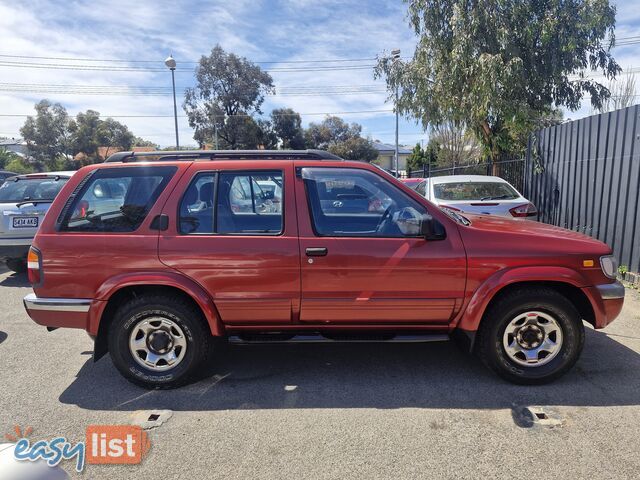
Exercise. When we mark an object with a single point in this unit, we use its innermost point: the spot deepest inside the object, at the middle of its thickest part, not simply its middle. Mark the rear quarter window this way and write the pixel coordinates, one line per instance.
(116, 199)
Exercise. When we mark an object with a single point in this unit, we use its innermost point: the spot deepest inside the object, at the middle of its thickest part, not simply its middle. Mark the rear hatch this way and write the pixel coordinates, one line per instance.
(486, 207)
(24, 201)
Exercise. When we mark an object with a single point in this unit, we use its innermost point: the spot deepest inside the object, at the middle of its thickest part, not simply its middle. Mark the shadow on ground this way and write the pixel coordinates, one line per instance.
(15, 280)
(364, 376)
(3, 336)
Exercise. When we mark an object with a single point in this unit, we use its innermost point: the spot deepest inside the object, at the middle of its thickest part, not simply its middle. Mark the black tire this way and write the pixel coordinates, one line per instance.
(497, 318)
(18, 265)
(179, 311)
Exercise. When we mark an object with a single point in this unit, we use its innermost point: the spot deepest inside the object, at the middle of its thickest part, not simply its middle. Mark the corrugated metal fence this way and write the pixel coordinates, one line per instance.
(585, 176)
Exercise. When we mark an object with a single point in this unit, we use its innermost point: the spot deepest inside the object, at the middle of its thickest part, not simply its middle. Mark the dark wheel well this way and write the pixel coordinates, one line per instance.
(124, 295)
(573, 294)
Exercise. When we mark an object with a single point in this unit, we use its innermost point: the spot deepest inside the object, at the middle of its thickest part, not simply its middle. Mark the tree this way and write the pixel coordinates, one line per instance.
(18, 165)
(623, 94)
(113, 134)
(229, 90)
(48, 134)
(287, 125)
(355, 148)
(141, 142)
(339, 137)
(417, 159)
(496, 65)
(84, 133)
(458, 146)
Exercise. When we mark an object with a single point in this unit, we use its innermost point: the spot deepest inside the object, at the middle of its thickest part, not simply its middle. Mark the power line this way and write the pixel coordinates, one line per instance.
(356, 112)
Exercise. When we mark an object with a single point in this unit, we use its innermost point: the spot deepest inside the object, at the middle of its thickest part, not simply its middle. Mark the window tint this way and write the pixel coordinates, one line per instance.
(249, 203)
(474, 191)
(196, 208)
(30, 189)
(116, 199)
(354, 202)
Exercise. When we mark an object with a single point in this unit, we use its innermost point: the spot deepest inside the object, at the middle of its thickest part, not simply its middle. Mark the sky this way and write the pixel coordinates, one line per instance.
(121, 45)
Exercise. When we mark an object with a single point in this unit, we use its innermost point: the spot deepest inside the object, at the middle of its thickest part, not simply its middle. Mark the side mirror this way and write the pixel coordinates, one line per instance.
(431, 229)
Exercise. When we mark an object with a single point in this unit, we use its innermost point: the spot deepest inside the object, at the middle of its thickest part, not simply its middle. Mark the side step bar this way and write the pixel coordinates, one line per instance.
(297, 339)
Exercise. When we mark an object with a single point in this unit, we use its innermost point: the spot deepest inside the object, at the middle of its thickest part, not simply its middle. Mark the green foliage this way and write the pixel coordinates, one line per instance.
(48, 134)
(499, 66)
(229, 89)
(18, 165)
(114, 135)
(623, 269)
(417, 159)
(141, 142)
(287, 126)
(7, 156)
(339, 137)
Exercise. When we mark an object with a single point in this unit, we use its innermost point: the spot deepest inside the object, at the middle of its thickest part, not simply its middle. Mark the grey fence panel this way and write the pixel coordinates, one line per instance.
(585, 175)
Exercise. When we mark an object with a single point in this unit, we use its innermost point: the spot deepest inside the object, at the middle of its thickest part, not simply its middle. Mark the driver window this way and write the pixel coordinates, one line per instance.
(349, 202)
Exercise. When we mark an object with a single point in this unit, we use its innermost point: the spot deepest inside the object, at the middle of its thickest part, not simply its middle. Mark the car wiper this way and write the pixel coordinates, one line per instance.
(498, 197)
(35, 202)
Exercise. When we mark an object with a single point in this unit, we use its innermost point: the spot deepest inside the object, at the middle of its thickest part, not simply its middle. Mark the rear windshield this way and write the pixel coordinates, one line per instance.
(116, 199)
(25, 189)
(474, 191)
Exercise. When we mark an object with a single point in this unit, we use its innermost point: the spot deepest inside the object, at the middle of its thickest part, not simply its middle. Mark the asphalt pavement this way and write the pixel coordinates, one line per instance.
(336, 411)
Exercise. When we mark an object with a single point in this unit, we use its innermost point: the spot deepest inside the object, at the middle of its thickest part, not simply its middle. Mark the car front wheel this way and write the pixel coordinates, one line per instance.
(158, 341)
(531, 336)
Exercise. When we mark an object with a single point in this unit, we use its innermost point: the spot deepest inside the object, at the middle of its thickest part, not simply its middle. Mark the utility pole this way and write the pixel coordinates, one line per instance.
(171, 65)
(395, 55)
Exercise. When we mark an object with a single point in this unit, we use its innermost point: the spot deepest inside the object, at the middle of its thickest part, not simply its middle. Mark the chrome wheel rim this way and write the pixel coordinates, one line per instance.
(532, 339)
(157, 343)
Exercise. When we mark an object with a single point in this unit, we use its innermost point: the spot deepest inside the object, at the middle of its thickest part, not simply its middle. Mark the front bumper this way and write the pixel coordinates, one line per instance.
(58, 312)
(607, 301)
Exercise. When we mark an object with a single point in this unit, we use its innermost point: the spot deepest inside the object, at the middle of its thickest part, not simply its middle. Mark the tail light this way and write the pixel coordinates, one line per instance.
(34, 266)
(525, 210)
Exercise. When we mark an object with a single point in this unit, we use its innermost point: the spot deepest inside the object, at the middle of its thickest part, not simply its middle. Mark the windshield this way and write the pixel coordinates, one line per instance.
(474, 191)
(24, 189)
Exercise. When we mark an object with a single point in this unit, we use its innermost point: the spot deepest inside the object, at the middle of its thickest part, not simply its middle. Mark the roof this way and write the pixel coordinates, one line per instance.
(467, 178)
(12, 141)
(103, 151)
(388, 148)
(67, 173)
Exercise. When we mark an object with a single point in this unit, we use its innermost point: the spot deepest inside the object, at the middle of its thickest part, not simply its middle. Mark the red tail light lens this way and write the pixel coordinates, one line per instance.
(34, 266)
(526, 210)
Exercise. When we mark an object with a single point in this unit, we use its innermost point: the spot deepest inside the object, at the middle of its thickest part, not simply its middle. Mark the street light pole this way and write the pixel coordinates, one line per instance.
(395, 55)
(171, 64)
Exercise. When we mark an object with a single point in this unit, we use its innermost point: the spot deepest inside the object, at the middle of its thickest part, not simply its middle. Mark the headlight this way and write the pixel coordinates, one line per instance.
(609, 266)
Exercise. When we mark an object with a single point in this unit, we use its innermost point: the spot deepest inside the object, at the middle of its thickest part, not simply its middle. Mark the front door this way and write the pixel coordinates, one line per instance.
(362, 257)
(236, 235)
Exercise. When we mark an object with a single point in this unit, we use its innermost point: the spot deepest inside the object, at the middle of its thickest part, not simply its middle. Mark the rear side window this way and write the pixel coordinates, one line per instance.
(24, 189)
(241, 203)
(116, 199)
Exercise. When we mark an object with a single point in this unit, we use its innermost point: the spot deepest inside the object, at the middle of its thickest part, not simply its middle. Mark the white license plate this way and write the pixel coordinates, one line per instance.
(25, 222)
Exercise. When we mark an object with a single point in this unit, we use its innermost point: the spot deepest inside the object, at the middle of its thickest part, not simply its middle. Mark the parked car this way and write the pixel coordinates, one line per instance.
(4, 174)
(157, 271)
(477, 194)
(412, 182)
(24, 199)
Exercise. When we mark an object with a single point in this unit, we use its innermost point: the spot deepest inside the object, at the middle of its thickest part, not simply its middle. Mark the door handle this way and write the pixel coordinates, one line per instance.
(316, 252)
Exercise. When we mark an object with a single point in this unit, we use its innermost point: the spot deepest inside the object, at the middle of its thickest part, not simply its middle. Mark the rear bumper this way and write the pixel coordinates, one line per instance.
(607, 301)
(14, 247)
(58, 312)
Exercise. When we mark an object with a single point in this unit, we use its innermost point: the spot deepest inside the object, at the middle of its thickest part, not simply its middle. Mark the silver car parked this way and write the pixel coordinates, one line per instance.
(24, 200)
(478, 194)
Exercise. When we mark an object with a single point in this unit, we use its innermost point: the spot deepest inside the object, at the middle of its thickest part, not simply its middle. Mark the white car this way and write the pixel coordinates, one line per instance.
(477, 194)
(24, 199)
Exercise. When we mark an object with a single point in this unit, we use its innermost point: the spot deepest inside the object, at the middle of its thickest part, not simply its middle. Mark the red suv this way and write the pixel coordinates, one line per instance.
(156, 254)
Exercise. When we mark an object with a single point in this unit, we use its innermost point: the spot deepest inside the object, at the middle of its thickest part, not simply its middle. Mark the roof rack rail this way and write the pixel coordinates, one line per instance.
(194, 155)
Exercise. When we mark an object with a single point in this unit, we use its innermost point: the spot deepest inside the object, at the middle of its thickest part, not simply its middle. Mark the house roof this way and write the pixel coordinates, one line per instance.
(388, 148)
(12, 141)
(103, 152)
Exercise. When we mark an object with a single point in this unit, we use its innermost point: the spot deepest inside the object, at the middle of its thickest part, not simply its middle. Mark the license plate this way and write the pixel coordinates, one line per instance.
(25, 222)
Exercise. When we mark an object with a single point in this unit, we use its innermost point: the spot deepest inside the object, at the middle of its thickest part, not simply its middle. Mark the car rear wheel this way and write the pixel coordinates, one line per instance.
(18, 265)
(158, 341)
(531, 336)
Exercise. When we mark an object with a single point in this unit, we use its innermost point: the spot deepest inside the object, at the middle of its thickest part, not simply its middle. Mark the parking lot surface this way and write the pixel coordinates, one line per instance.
(334, 411)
